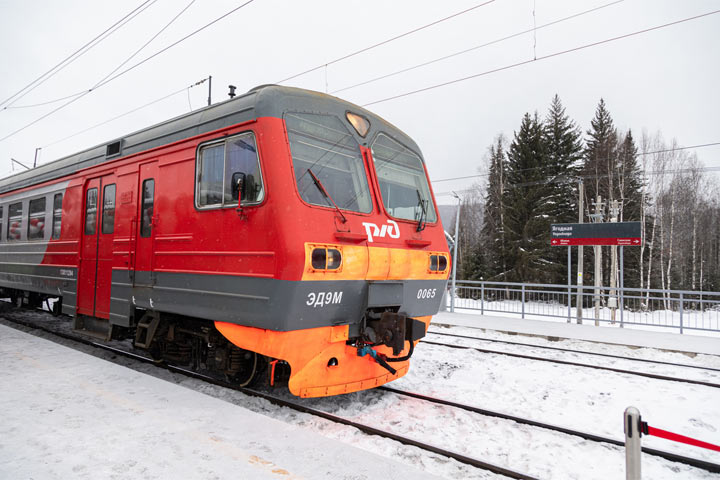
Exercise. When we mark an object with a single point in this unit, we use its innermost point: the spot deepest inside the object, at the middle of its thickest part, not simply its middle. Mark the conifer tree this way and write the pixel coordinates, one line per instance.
(528, 207)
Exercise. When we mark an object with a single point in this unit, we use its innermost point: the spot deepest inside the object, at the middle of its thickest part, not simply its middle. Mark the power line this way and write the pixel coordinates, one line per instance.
(106, 81)
(545, 57)
(541, 168)
(477, 47)
(74, 56)
(384, 42)
(575, 178)
(128, 112)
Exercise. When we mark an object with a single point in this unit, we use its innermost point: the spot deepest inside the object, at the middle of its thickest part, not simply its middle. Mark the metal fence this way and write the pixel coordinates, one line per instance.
(676, 309)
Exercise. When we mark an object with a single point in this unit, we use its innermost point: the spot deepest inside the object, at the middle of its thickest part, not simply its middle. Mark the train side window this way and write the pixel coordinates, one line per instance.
(108, 214)
(36, 219)
(91, 211)
(57, 216)
(221, 165)
(148, 200)
(14, 222)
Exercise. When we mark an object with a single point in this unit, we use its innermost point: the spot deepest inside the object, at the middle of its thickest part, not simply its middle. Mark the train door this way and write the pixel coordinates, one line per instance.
(93, 297)
(147, 219)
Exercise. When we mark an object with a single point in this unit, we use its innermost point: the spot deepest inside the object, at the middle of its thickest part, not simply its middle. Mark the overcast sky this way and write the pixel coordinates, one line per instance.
(664, 80)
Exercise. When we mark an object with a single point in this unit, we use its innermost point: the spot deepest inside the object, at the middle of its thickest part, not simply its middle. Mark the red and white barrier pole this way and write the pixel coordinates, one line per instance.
(633, 446)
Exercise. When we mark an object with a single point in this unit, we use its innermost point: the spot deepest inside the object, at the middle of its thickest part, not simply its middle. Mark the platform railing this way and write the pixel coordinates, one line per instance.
(681, 310)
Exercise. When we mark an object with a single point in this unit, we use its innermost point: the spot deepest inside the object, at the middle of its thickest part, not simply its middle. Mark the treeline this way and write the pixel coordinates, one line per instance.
(534, 180)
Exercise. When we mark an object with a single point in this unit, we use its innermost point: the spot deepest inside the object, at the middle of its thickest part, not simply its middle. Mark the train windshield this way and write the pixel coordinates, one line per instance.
(321, 144)
(402, 181)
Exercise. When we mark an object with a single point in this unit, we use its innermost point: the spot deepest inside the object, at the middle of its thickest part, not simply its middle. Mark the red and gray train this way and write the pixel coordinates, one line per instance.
(282, 233)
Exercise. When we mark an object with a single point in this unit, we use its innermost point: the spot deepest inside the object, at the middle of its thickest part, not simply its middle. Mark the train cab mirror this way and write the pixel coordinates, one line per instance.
(238, 186)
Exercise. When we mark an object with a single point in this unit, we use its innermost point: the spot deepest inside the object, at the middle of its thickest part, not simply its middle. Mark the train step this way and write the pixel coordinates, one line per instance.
(145, 331)
(94, 327)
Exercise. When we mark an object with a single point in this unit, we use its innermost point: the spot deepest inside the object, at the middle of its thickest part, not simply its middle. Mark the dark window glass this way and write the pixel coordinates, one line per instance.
(319, 258)
(322, 144)
(108, 216)
(36, 219)
(433, 263)
(57, 215)
(402, 180)
(227, 169)
(148, 200)
(91, 211)
(14, 222)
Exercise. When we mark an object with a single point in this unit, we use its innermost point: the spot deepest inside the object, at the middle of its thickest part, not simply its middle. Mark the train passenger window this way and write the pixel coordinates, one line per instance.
(220, 165)
(14, 222)
(57, 215)
(148, 200)
(403, 184)
(108, 214)
(36, 219)
(91, 211)
(323, 145)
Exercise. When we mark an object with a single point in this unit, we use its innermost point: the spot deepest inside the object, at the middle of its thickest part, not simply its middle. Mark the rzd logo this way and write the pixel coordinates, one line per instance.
(391, 229)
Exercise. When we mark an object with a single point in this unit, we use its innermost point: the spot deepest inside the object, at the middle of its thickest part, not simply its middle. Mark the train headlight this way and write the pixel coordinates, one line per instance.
(326, 258)
(438, 263)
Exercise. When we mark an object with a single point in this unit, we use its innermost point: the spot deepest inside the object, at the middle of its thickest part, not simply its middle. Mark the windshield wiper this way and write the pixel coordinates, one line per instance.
(423, 204)
(325, 193)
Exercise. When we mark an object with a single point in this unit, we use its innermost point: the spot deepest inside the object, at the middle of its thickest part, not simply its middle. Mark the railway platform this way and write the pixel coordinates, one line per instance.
(67, 414)
(684, 343)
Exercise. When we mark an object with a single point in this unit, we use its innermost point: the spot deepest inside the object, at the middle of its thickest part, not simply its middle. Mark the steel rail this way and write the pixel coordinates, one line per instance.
(606, 355)
(577, 364)
(283, 402)
(709, 466)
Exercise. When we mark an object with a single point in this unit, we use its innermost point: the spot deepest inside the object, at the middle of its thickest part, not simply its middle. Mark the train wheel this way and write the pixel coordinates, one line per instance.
(244, 365)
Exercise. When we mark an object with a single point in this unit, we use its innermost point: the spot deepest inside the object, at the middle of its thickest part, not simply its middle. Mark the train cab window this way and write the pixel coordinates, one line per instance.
(148, 201)
(57, 215)
(108, 213)
(227, 171)
(91, 211)
(36, 219)
(14, 222)
(321, 145)
(402, 181)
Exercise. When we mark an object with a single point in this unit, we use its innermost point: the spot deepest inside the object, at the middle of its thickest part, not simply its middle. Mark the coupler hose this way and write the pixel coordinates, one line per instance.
(406, 357)
(379, 358)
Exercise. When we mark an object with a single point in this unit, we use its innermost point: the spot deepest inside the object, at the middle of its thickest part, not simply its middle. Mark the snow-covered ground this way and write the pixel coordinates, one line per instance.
(574, 397)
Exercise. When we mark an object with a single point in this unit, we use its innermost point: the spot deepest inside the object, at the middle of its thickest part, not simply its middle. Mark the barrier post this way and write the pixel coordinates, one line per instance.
(523, 301)
(633, 447)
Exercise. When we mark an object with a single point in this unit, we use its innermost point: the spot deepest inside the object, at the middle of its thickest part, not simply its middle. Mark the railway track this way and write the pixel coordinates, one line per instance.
(300, 407)
(578, 364)
(273, 399)
(709, 466)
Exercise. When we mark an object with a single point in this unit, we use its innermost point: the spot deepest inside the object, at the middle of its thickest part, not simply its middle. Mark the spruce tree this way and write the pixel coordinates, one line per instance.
(528, 207)
(564, 150)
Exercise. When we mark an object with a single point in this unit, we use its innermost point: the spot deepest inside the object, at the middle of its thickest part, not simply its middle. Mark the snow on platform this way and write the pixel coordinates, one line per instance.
(66, 414)
(686, 343)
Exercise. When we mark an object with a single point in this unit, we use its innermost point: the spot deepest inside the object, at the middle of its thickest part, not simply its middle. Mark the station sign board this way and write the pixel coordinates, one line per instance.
(613, 233)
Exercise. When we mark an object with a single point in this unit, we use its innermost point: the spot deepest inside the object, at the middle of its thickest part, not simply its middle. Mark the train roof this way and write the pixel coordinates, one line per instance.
(262, 101)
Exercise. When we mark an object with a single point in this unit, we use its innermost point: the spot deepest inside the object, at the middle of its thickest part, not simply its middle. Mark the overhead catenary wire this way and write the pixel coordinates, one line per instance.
(74, 56)
(544, 57)
(184, 89)
(641, 154)
(118, 75)
(384, 42)
(477, 47)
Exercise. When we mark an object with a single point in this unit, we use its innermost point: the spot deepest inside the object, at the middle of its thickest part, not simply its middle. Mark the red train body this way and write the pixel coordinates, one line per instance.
(280, 228)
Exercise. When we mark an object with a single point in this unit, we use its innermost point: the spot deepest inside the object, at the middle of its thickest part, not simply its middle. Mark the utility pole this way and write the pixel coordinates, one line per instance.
(612, 299)
(455, 246)
(579, 302)
(598, 218)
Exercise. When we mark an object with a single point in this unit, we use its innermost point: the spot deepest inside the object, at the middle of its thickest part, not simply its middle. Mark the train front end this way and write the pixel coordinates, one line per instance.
(364, 259)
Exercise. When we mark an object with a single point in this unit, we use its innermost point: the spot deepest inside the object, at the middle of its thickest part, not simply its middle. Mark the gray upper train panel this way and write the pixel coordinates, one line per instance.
(263, 101)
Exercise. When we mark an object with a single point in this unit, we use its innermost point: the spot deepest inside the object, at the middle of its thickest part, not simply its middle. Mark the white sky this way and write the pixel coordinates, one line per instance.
(662, 80)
